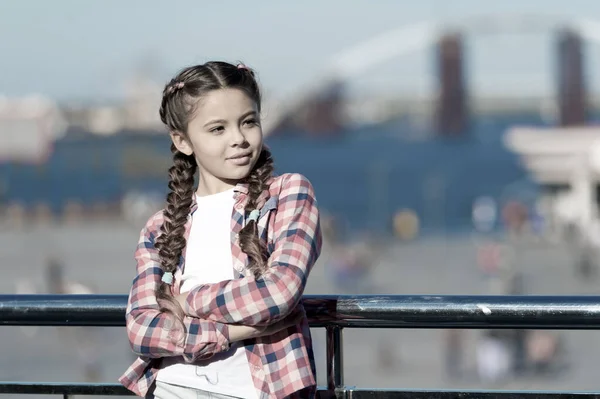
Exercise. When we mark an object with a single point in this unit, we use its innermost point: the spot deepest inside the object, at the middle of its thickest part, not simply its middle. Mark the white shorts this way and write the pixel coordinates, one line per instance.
(169, 391)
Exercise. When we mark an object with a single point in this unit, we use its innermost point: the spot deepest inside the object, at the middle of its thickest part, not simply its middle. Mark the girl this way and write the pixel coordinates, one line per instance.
(215, 309)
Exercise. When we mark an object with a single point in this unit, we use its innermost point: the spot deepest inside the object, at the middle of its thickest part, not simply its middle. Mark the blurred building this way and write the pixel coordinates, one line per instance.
(395, 150)
(138, 111)
(28, 128)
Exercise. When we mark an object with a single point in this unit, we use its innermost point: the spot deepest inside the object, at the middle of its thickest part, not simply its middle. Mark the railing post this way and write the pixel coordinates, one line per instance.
(335, 372)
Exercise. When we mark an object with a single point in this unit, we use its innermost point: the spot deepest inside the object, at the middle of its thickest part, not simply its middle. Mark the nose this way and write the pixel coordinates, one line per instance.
(237, 137)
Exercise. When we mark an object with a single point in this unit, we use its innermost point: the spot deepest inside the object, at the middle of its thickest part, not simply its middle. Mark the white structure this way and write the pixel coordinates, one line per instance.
(568, 158)
(354, 62)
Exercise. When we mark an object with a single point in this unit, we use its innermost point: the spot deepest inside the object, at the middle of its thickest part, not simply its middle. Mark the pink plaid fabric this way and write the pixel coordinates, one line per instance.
(282, 365)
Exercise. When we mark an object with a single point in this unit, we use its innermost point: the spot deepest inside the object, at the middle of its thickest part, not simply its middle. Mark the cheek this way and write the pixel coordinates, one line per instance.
(256, 138)
(208, 147)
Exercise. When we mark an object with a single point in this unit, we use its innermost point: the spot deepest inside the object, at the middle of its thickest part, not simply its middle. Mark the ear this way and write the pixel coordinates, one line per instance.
(181, 143)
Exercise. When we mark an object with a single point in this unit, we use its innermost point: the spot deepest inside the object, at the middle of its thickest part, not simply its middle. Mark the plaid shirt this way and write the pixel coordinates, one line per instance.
(282, 364)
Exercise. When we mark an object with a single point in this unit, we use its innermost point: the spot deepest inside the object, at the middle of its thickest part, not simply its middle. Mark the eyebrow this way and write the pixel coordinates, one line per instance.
(244, 116)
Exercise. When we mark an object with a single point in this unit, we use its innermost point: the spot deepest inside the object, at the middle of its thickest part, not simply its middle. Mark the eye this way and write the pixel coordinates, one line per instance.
(251, 122)
(217, 129)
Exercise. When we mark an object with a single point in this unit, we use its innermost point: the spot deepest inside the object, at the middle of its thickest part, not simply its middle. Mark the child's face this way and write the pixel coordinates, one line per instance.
(225, 137)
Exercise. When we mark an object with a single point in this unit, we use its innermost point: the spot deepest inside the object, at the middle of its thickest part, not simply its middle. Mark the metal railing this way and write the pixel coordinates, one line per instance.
(334, 313)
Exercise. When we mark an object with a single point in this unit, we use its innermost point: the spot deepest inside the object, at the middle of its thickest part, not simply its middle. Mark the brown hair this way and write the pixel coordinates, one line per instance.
(180, 97)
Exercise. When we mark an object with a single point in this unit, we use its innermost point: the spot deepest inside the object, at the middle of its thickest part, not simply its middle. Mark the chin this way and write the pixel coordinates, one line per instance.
(239, 173)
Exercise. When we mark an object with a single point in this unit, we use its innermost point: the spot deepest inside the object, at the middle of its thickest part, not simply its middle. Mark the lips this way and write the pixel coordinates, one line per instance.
(241, 155)
(241, 159)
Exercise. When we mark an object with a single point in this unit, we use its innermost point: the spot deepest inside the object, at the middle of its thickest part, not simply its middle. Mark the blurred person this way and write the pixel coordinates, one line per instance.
(493, 356)
(58, 285)
(86, 341)
(544, 349)
(26, 287)
(516, 286)
(515, 216)
(331, 230)
(351, 265)
(349, 262)
(500, 351)
(454, 352)
(215, 309)
(484, 214)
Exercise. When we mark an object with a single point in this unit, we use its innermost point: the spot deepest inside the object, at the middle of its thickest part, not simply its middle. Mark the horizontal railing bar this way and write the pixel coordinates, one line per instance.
(64, 388)
(465, 394)
(398, 311)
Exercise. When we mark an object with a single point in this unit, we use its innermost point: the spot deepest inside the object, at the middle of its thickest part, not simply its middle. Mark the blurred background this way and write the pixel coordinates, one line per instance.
(453, 147)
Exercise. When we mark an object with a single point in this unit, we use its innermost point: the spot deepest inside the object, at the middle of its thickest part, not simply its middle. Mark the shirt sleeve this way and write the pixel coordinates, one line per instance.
(297, 245)
(148, 328)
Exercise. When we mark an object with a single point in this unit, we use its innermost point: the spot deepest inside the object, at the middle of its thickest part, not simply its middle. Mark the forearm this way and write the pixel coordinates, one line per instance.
(248, 301)
(241, 333)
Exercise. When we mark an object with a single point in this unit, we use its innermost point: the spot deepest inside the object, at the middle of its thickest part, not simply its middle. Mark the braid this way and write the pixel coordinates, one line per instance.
(171, 242)
(258, 181)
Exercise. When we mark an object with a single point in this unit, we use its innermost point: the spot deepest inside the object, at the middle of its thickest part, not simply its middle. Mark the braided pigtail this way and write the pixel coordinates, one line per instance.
(250, 243)
(171, 242)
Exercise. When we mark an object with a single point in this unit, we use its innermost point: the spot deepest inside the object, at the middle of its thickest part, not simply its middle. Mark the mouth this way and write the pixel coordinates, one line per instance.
(241, 155)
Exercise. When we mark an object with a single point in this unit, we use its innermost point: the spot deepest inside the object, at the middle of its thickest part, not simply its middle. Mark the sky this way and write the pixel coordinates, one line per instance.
(86, 50)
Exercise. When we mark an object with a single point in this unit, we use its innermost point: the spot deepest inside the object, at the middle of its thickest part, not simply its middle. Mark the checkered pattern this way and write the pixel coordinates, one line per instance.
(282, 364)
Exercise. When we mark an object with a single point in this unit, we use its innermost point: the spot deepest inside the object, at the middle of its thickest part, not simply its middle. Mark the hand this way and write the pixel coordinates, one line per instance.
(240, 333)
(181, 299)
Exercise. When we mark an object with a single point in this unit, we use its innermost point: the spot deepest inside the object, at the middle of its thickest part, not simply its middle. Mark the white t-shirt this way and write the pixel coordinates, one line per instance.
(209, 260)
